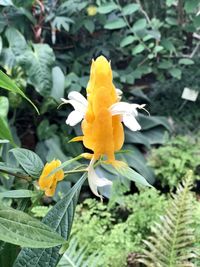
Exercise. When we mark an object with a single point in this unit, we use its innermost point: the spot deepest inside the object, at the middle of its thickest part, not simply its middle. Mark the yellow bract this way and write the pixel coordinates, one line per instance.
(102, 132)
(48, 184)
(92, 10)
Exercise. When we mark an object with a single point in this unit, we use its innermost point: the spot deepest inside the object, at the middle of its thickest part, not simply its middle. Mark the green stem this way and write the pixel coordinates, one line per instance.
(27, 178)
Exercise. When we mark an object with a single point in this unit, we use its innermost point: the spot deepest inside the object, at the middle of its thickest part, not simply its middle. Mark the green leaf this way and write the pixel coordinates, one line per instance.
(29, 161)
(5, 132)
(176, 73)
(38, 66)
(139, 25)
(8, 84)
(130, 9)
(136, 138)
(138, 49)
(171, 21)
(167, 44)
(4, 105)
(89, 25)
(58, 86)
(132, 175)
(115, 24)
(107, 8)
(4, 141)
(19, 228)
(6, 3)
(165, 65)
(156, 135)
(191, 5)
(127, 40)
(21, 193)
(59, 218)
(148, 122)
(185, 61)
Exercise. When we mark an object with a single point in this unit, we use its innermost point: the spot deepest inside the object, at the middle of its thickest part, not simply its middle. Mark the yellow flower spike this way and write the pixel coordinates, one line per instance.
(48, 184)
(102, 116)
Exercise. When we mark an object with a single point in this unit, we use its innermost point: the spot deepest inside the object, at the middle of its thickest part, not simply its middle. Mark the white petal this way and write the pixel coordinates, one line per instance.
(94, 180)
(124, 108)
(76, 105)
(78, 97)
(118, 91)
(74, 118)
(131, 122)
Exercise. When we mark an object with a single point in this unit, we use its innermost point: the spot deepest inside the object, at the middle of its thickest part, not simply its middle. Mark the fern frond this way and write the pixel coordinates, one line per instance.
(75, 257)
(172, 240)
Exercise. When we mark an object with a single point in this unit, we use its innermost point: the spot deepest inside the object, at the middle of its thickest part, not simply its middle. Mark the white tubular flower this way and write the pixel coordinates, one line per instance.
(94, 180)
(128, 112)
(80, 104)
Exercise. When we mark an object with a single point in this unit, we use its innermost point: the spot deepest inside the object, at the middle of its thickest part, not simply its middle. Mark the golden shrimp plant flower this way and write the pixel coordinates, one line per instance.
(102, 117)
(48, 182)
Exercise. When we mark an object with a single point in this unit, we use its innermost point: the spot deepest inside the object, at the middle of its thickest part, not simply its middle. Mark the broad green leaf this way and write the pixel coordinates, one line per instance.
(165, 65)
(16, 40)
(127, 40)
(167, 44)
(38, 66)
(8, 168)
(58, 86)
(191, 5)
(139, 25)
(107, 8)
(4, 105)
(148, 122)
(132, 175)
(170, 2)
(115, 24)
(138, 49)
(185, 61)
(29, 161)
(19, 228)
(136, 138)
(8, 84)
(130, 9)
(5, 132)
(89, 25)
(21, 193)
(176, 73)
(60, 219)
(171, 21)
(156, 135)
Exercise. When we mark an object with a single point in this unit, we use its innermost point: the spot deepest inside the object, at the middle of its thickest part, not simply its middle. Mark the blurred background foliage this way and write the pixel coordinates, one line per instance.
(46, 47)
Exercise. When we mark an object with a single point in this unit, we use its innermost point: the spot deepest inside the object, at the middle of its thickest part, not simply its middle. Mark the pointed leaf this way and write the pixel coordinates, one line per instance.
(59, 218)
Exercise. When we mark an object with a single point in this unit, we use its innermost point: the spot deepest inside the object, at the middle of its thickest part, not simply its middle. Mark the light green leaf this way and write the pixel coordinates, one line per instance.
(138, 49)
(21, 193)
(4, 105)
(4, 141)
(8, 84)
(59, 218)
(29, 161)
(38, 66)
(139, 25)
(185, 61)
(130, 9)
(89, 25)
(171, 21)
(127, 40)
(107, 8)
(19, 228)
(58, 86)
(5, 132)
(165, 65)
(191, 5)
(6, 3)
(167, 44)
(115, 24)
(176, 73)
(132, 175)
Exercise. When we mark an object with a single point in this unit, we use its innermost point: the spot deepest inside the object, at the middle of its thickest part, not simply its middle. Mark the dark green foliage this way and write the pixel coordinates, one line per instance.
(172, 160)
(116, 230)
(172, 241)
(166, 100)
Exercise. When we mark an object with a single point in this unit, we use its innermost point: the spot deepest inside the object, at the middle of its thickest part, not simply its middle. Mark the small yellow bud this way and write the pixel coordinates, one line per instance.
(87, 155)
(48, 184)
(92, 10)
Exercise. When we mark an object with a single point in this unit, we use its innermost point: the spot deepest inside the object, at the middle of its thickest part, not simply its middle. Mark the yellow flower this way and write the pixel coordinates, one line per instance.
(92, 10)
(102, 116)
(48, 184)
